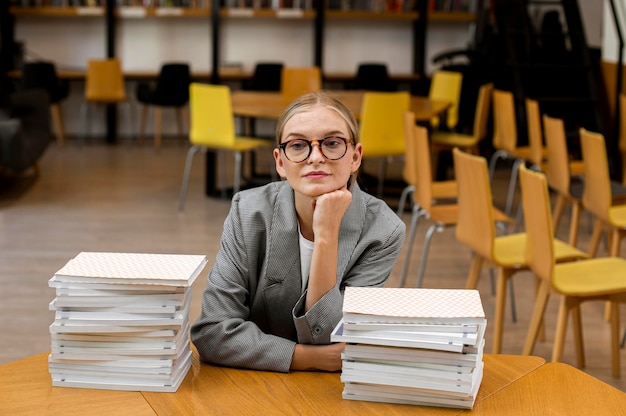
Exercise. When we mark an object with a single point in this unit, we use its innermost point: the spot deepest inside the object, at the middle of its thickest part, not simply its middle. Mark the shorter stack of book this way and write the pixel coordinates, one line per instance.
(122, 321)
(412, 346)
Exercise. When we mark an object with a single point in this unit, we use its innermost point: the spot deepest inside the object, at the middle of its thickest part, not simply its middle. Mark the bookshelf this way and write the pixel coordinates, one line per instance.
(143, 37)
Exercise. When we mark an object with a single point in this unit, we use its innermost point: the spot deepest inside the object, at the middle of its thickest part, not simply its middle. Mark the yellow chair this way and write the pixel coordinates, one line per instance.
(104, 84)
(622, 134)
(447, 140)
(442, 215)
(382, 128)
(213, 127)
(597, 196)
(440, 189)
(476, 229)
(296, 81)
(505, 141)
(576, 282)
(446, 86)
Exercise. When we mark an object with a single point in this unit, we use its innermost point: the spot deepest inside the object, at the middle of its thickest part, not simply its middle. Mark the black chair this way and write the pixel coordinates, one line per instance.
(373, 77)
(42, 75)
(24, 130)
(266, 77)
(171, 90)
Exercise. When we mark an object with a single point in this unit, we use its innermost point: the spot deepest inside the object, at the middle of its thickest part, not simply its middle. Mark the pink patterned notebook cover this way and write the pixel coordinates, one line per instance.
(140, 267)
(413, 303)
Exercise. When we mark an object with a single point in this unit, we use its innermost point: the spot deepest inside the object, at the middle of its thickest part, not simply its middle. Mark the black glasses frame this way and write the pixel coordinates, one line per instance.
(320, 142)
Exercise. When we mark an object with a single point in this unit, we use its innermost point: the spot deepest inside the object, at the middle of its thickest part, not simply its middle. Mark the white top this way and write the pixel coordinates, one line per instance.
(306, 251)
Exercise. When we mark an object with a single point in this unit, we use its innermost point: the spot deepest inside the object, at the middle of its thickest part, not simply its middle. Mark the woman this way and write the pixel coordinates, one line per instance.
(289, 249)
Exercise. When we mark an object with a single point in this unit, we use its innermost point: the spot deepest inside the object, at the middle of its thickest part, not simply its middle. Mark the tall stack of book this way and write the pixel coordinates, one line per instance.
(412, 346)
(122, 321)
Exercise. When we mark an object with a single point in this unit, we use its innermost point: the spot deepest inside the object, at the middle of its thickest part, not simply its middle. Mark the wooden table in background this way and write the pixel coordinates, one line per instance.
(270, 105)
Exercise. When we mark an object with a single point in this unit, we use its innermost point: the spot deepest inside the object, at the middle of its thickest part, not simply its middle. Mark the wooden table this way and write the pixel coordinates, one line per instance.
(511, 385)
(26, 388)
(270, 105)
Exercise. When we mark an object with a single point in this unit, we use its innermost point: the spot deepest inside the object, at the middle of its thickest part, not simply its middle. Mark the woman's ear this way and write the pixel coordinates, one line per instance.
(280, 168)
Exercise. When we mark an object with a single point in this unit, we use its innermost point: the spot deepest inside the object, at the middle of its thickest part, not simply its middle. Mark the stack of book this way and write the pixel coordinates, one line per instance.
(412, 346)
(122, 321)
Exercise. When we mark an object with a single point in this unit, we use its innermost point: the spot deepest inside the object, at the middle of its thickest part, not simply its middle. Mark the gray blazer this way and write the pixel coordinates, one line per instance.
(252, 307)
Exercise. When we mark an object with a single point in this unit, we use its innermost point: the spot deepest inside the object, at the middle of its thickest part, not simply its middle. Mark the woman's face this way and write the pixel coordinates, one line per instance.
(317, 175)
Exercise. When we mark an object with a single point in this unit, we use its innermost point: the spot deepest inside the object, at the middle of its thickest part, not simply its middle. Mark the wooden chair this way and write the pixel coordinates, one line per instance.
(213, 127)
(597, 196)
(171, 90)
(476, 230)
(448, 140)
(576, 282)
(441, 190)
(104, 85)
(382, 128)
(442, 215)
(505, 141)
(446, 86)
(296, 81)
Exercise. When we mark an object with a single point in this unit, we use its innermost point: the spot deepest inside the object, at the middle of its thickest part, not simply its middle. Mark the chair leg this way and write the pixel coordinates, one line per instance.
(142, 123)
(57, 121)
(536, 321)
(615, 353)
(422, 267)
(594, 242)
(180, 124)
(183, 186)
(474, 273)
(565, 306)
(158, 121)
(408, 190)
(415, 216)
(578, 336)
(503, 277)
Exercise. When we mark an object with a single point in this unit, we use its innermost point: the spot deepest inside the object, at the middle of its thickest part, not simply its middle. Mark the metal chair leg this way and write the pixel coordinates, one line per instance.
(429, 235)
(415, 216)
(183, 187)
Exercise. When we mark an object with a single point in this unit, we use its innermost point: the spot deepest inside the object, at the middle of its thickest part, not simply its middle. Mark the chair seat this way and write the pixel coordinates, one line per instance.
(509, 251)
(593, 277)
(617, 215)
(444, 189)
(451, 139)
(446, 214)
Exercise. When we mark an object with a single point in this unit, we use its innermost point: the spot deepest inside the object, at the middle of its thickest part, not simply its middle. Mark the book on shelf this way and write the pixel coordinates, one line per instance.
(122, 321)
(413, 346)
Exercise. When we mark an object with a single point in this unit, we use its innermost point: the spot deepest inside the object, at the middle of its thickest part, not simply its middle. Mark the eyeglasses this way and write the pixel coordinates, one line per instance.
(299, 150)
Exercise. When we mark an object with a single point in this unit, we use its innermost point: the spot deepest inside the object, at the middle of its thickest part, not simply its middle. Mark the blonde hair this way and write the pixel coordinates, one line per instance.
(311, 100)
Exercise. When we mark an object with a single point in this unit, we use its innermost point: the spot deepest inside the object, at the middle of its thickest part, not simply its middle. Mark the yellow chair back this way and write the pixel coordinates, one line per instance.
(417, 145)
(597, 197)
(382, 123)
(296, 81)
(504, 123)
(558, 174)
(409, 173)
(104, 82)
(539, 250)
(212, 121)
(475, 226)
(535, 138)
(446, 86)
(481, 116)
